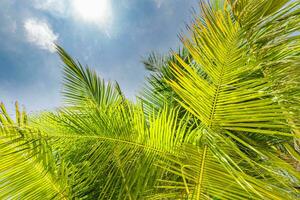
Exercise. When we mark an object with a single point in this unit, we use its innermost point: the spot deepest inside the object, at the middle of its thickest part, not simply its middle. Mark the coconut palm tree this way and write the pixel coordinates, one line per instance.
(218, 120)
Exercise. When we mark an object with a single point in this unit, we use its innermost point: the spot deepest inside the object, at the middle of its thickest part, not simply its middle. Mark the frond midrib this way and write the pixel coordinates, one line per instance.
(116, 140)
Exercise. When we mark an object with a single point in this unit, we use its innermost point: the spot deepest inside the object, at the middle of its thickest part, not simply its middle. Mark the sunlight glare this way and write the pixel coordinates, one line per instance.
(98, 11)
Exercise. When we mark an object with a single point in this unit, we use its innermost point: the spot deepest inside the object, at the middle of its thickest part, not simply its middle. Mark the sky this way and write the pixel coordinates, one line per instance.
(110, 36)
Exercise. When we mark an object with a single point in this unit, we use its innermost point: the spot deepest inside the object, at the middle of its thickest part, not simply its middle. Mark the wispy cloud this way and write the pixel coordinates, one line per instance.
(98, 13)
(55, 7)
(40, 34)
(136, 28)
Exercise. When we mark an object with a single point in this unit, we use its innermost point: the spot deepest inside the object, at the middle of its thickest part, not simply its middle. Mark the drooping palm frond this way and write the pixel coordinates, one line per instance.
(27, 167)
(114, 150)
(111, 146)
(82, 84)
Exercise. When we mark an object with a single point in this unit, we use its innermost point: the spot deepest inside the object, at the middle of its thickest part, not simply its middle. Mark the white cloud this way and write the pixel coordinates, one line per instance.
(40, 33)
(93, 12)
(55, 7)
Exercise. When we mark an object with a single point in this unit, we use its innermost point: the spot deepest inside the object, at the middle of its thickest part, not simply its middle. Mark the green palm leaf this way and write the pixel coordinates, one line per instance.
(28, 169)
(82, 84)
(115, 150)
(217, 120)
(234, 99)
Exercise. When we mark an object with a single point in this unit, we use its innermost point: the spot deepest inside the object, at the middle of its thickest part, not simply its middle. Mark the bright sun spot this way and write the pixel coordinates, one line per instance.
(97, 11)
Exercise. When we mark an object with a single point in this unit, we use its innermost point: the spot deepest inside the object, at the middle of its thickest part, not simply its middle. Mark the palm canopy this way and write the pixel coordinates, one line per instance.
(216, 121)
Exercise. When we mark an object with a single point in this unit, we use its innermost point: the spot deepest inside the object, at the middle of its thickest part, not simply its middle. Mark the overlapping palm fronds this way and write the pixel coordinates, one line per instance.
(218, 119)
(157, 93)
(28, 169)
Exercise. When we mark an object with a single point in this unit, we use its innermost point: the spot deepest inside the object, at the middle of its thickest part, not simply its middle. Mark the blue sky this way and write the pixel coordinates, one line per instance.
(111, 36)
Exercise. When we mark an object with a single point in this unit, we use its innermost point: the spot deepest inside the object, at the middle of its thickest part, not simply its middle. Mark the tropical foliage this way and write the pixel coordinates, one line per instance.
(219, 119)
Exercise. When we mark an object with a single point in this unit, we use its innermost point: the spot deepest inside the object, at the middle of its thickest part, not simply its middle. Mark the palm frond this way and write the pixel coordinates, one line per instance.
(234, 98)
(82, 84)
(28, 169)
(157, 94)
(217, 119)
(114, 149)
